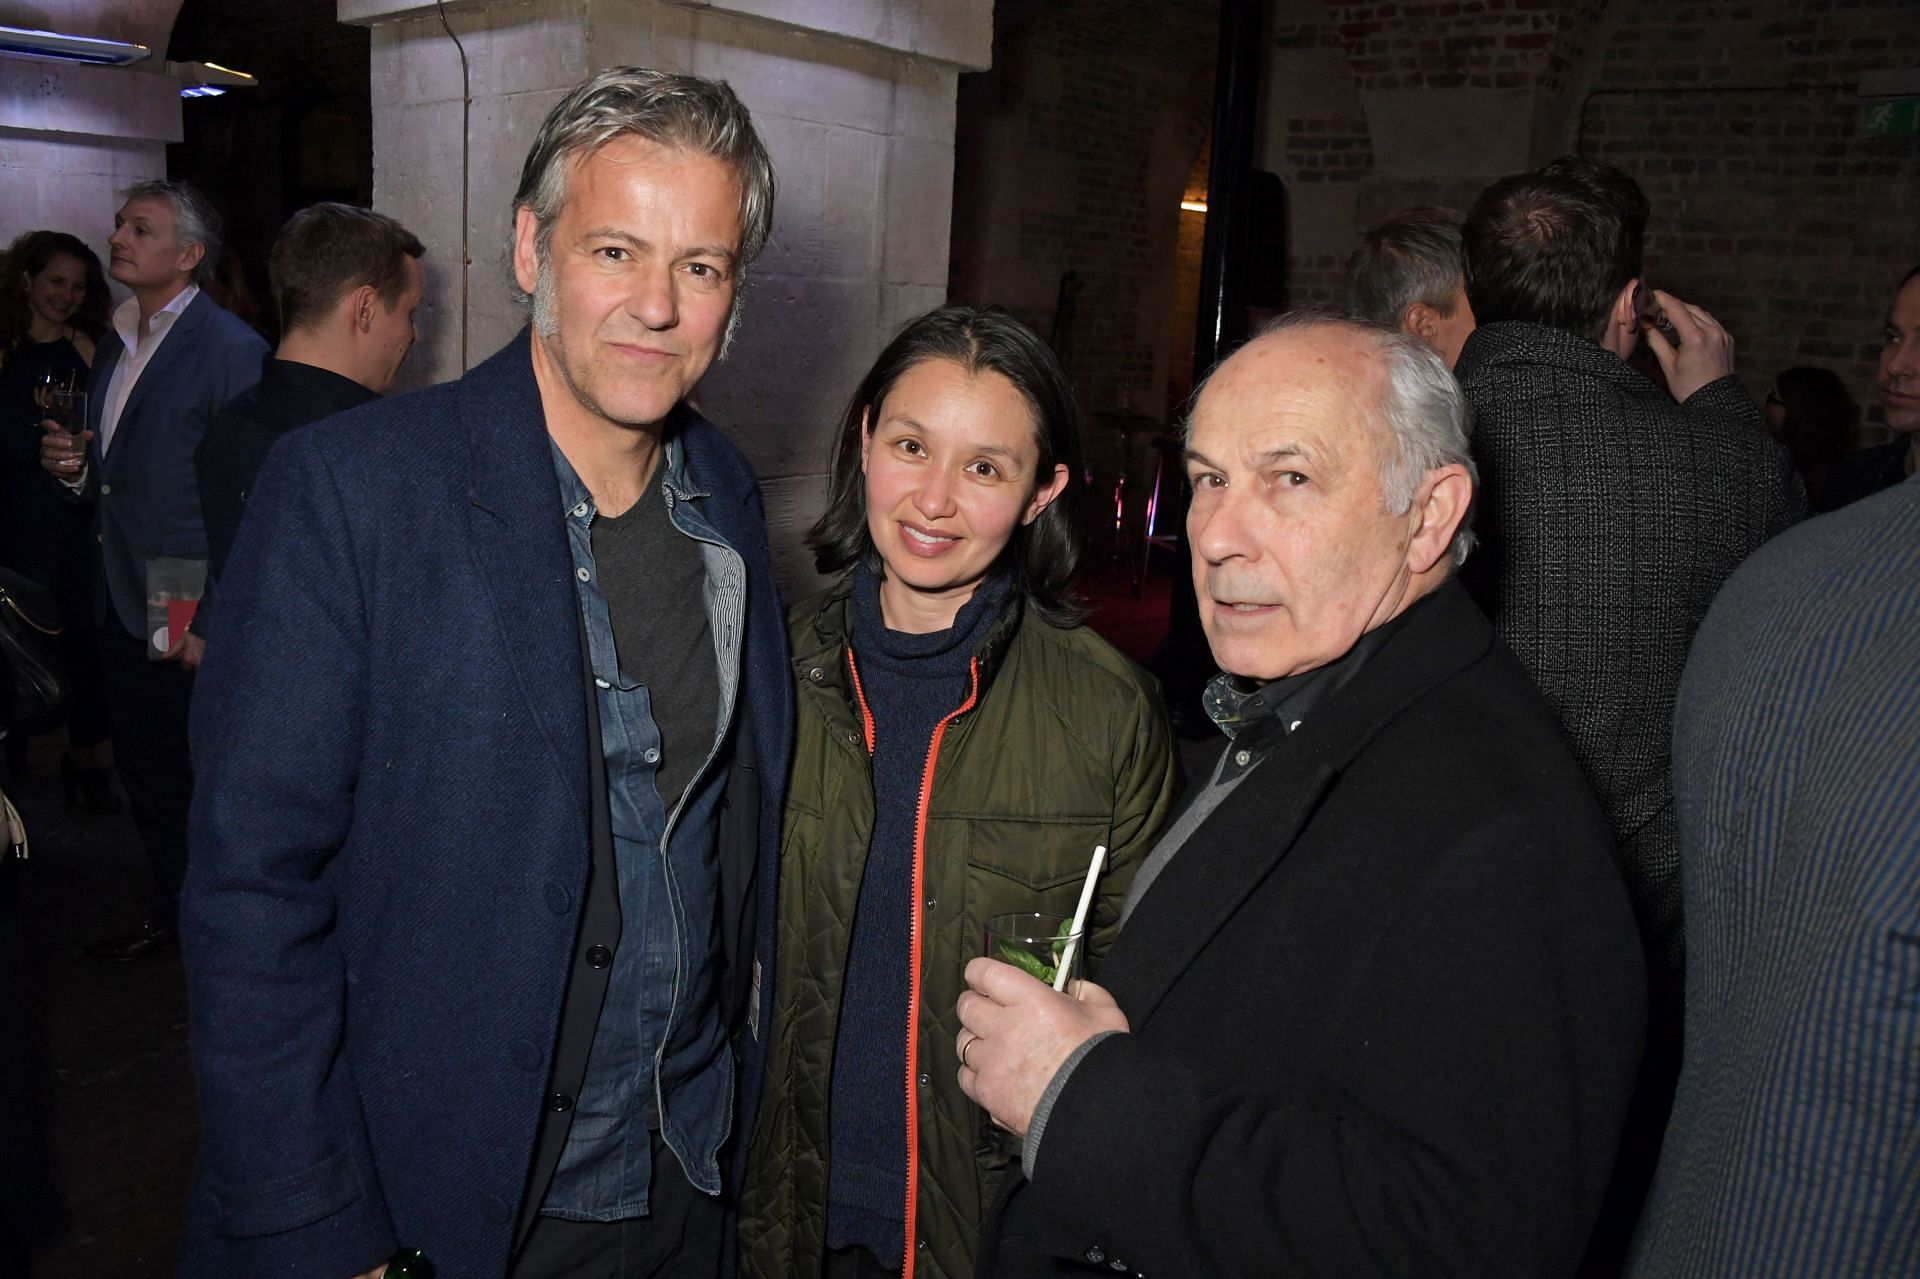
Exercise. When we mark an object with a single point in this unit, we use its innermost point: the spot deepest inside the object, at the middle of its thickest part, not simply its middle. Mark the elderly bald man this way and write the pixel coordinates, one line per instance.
(1377, 1002)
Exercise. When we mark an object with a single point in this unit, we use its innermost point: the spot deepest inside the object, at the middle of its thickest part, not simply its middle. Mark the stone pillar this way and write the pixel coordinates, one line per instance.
(73, 136)
(855, 100)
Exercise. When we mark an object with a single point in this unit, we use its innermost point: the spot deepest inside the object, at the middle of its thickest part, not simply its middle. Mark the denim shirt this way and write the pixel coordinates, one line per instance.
(660, 1053)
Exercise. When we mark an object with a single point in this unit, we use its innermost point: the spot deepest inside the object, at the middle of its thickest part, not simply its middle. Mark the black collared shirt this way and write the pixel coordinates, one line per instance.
(1256, 716)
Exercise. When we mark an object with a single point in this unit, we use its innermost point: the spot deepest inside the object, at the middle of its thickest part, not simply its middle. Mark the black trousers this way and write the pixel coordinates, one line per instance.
(147, 713)
(680, 1237)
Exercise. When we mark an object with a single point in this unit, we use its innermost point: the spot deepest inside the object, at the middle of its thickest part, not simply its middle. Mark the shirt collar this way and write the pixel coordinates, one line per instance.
(126, 316)
(1258, 712)
(676, 474)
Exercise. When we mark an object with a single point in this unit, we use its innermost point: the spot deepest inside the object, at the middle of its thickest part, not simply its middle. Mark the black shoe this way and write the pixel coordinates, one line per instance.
(144, 941)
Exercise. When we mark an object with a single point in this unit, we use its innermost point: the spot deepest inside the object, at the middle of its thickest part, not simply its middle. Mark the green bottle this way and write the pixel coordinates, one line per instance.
(409, 1263)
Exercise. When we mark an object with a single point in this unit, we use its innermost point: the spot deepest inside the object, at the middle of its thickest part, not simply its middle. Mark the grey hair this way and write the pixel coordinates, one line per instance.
(1421, 405)
(675, 110)
(1414, 256)
(195, 220)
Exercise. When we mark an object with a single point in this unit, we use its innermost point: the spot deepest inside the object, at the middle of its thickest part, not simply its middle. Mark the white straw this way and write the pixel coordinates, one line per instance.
(1080, 917)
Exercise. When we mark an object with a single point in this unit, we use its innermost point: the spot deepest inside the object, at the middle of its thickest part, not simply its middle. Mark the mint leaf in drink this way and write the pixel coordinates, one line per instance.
(1027, 961)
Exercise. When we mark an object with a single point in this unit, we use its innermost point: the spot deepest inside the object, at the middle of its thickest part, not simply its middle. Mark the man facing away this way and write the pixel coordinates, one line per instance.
(171, 359)
(1376, 1002)
(1796, 748)
(1612, 510)
(347, 282)
(1406, 275)
(493, 751)
(1872, 469)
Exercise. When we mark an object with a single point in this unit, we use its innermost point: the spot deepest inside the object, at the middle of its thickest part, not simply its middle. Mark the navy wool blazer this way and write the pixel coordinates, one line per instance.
(390, 841)
(148, 498)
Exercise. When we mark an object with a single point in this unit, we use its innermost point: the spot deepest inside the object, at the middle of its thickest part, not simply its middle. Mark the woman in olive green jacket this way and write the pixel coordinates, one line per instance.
(962, 744)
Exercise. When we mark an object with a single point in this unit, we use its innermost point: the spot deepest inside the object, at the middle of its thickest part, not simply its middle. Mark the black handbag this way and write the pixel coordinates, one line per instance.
(35, 677)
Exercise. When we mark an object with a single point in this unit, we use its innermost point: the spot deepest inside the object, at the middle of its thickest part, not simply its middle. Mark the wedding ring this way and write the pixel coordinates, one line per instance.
(967, 1049)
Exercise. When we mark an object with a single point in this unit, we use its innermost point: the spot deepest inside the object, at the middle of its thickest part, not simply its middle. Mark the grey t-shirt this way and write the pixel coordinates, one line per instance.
(654, 579)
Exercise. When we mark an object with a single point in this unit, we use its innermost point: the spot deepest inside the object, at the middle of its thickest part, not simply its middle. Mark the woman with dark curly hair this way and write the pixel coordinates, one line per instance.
(53, 306)
(961, 744)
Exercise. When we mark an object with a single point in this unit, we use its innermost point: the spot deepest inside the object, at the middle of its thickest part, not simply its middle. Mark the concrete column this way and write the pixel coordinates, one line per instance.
(855, 100)
(73, 136)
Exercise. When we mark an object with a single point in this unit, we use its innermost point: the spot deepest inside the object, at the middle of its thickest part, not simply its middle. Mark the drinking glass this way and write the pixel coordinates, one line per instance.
(1036, 943)
(68, 408)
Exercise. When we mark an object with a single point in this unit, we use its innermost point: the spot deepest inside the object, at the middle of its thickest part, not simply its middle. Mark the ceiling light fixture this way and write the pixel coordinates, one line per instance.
(208, 79)
(26, 42)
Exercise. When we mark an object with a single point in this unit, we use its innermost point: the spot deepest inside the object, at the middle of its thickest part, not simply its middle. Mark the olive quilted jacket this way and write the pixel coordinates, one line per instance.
(1061, 745)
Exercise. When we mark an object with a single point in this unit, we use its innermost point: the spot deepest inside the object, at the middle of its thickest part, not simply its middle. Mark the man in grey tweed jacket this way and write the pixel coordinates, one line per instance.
(1796, 745)
(1611, 510)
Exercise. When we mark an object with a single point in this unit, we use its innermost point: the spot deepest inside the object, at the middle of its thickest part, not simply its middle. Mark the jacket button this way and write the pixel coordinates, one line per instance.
(816, 674)
(1117, 1264)
(926, 1080)
(931, 903)
(106, 490)
(560, 1103)
(598, 957)
(1095, 1255)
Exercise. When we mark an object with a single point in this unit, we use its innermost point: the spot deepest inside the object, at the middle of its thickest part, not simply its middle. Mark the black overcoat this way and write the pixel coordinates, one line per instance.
(1387, 1005)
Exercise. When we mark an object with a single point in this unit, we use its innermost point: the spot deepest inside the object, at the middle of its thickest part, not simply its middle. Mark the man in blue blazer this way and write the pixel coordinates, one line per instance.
(172, 357)
(492, 737)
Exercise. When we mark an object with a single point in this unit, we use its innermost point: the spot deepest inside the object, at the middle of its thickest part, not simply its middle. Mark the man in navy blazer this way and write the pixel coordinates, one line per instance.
(172, 357)
(492, 737)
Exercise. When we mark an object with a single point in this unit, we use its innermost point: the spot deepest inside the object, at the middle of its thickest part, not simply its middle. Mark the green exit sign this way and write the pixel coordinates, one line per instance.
(1890, 117)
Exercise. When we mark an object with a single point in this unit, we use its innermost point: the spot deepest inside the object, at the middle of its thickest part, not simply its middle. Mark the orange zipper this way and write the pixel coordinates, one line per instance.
(913, 973)
(919, 891)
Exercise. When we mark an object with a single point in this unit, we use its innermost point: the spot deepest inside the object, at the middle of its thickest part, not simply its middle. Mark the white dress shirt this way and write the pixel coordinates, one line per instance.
(133, 361)
(139, 352)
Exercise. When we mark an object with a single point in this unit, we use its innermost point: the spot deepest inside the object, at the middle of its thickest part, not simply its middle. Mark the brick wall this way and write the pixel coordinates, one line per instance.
(1770, 208)
(1740, 118)
(1448, 44)
(1072, 155)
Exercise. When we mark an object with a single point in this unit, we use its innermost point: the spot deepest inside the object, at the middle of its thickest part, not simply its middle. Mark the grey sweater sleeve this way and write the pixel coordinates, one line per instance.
(1030, 1148)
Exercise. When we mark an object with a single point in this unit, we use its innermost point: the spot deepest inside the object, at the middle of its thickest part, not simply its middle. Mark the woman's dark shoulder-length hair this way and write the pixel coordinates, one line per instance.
(1043, 555)
(28, 256)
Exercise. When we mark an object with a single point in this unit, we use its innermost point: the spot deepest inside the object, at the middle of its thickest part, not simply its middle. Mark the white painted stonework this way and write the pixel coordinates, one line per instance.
(855, 100)
(72, 137)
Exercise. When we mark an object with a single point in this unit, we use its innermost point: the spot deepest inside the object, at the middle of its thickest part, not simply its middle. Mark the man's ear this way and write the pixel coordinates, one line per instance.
(1422, 321)
(361, 305)
(191, 255)
(1623, 320)
(526, 241)
(1440, 506)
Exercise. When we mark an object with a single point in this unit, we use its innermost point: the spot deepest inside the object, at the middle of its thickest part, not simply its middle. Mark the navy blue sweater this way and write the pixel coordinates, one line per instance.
(910, 682)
